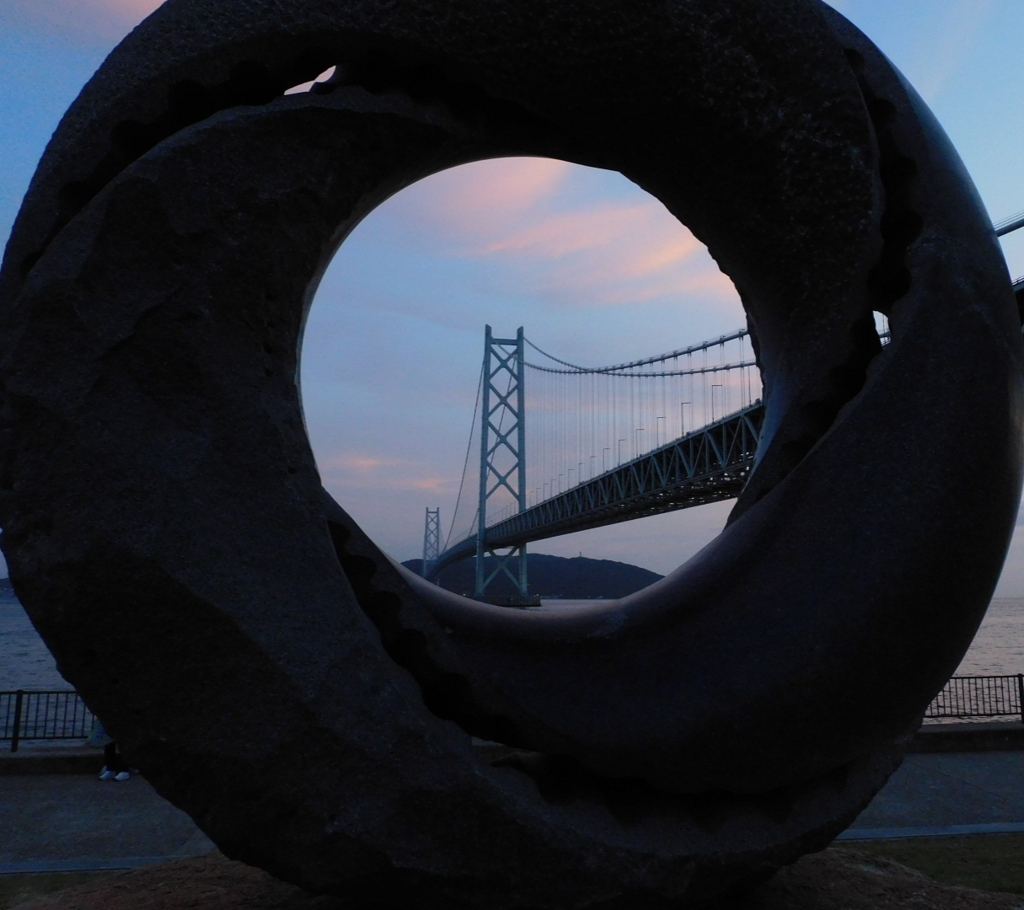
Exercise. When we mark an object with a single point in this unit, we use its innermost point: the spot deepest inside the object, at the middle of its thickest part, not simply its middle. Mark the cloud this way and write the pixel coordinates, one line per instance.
(483, 197)
(612, 253)
(362, 471)
(531, 225)
(83, 21)
(573, 231)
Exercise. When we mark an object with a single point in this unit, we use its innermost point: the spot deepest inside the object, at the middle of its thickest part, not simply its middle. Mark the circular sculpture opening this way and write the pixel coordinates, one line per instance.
(587, 263)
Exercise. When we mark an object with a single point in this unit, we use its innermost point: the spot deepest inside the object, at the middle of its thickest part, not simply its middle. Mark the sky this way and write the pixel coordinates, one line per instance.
(594, 269)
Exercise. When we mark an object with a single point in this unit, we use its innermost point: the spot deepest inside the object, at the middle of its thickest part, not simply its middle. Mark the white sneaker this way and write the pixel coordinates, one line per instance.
(122, 775)
(106, 773)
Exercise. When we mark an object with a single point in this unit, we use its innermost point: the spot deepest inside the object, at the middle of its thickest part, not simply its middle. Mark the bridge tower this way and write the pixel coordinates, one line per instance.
(502, 451)
(431, 541)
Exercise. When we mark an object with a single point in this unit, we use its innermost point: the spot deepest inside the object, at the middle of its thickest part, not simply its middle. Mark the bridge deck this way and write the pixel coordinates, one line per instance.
(705, 466)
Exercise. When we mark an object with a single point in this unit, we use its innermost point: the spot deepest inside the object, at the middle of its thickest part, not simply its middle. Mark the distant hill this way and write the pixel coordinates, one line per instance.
(578, 578)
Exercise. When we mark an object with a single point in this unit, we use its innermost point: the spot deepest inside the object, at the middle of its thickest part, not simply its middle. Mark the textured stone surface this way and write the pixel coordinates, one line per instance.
(308, 703)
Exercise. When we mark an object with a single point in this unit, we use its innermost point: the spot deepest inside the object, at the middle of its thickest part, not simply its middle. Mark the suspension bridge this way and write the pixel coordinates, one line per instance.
(606, 444)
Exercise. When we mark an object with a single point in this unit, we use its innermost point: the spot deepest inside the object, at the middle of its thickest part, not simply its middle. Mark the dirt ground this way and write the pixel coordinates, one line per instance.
(836, 879)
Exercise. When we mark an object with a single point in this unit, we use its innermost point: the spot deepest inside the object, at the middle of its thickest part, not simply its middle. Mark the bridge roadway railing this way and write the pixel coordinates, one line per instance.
(704, 466)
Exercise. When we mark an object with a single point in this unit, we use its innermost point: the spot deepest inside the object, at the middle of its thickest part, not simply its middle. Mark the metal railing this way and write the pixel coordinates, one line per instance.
(980, 696)
(33, 714)
(47, 715)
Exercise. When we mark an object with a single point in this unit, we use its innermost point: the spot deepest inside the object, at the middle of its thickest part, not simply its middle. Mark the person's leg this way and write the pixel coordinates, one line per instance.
(114, 762)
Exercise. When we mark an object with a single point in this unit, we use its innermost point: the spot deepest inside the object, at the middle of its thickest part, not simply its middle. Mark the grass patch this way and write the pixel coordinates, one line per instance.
(990, 862)
(18, 888)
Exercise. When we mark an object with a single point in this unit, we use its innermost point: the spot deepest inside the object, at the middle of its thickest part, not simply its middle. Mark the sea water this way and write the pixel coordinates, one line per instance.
(998, 648)
(24, 661)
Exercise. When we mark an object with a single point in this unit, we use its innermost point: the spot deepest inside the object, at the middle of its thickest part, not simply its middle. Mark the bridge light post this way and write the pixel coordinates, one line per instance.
(604, 460)
(715, 385)
(682, 417)
(636, 441)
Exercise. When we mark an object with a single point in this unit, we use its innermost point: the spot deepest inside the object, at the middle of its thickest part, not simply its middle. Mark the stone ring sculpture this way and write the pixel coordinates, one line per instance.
(311, 705)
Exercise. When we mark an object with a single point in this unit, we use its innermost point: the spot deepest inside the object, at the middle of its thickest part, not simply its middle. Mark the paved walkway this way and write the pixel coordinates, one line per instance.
(947, 793)
(61, 822)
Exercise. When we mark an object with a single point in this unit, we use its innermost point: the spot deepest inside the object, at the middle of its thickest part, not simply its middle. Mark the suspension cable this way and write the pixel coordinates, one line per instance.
(613, 371)
(465, 463)
(660, 358)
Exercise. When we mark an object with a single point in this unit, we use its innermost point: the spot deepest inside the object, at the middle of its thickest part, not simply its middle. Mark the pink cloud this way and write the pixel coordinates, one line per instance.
(481, 198)
(505, 185)
(627, 275)
(573, 231)
(361, 471)
(535, 223)
(612, 253)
